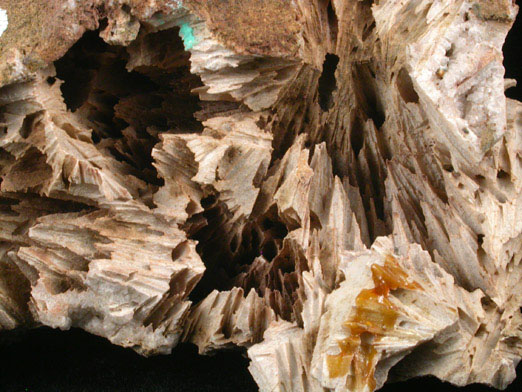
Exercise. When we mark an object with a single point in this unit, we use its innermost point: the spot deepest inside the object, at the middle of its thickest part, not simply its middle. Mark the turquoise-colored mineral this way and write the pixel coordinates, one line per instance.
(187, 34)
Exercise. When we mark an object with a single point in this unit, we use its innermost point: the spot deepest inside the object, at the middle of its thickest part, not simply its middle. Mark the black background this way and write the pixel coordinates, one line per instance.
(73, 361)
(513, 58)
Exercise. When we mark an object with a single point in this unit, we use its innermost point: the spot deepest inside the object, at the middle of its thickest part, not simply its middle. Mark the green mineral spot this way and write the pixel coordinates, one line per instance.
(187, 34)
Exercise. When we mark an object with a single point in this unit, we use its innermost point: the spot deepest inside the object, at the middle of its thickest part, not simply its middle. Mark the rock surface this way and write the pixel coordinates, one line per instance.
(336, 190)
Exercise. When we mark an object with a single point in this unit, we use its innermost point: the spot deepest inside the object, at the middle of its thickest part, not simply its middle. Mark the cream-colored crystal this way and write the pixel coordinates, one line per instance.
(336, 190)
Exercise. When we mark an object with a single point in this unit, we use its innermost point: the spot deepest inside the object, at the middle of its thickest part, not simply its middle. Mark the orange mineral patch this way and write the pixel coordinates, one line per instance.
(391, 276)
(375, 315)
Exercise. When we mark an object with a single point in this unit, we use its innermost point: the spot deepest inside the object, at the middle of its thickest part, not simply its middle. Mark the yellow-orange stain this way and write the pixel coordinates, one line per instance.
(374, 316)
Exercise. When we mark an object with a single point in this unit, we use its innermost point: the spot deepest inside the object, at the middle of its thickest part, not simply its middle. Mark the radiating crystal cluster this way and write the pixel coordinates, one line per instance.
(335, 189)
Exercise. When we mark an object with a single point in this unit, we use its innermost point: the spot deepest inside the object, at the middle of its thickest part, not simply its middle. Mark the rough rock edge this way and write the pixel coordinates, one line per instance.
(461, 191)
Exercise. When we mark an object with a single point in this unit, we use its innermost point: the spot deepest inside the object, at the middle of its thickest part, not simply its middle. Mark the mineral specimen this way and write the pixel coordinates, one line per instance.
(333, 186)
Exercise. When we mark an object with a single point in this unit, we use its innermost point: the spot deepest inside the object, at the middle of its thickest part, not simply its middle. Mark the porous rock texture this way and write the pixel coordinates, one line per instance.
(333, 186)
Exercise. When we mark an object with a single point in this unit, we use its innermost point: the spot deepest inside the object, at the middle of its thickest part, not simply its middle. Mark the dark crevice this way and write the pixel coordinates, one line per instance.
(208, 201)
(503, 175)
(333, 23)
(269, 250)
(212, 231)
(128, 106)
(448, 167)
(295, 113)
(367, 93)
(29, 123)
(327, 82)
(368, 30)
(369, 179)
(450, 51)
(405, 87)
(15, 287)
(250, 254)
(512, 59)
(357, 136)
